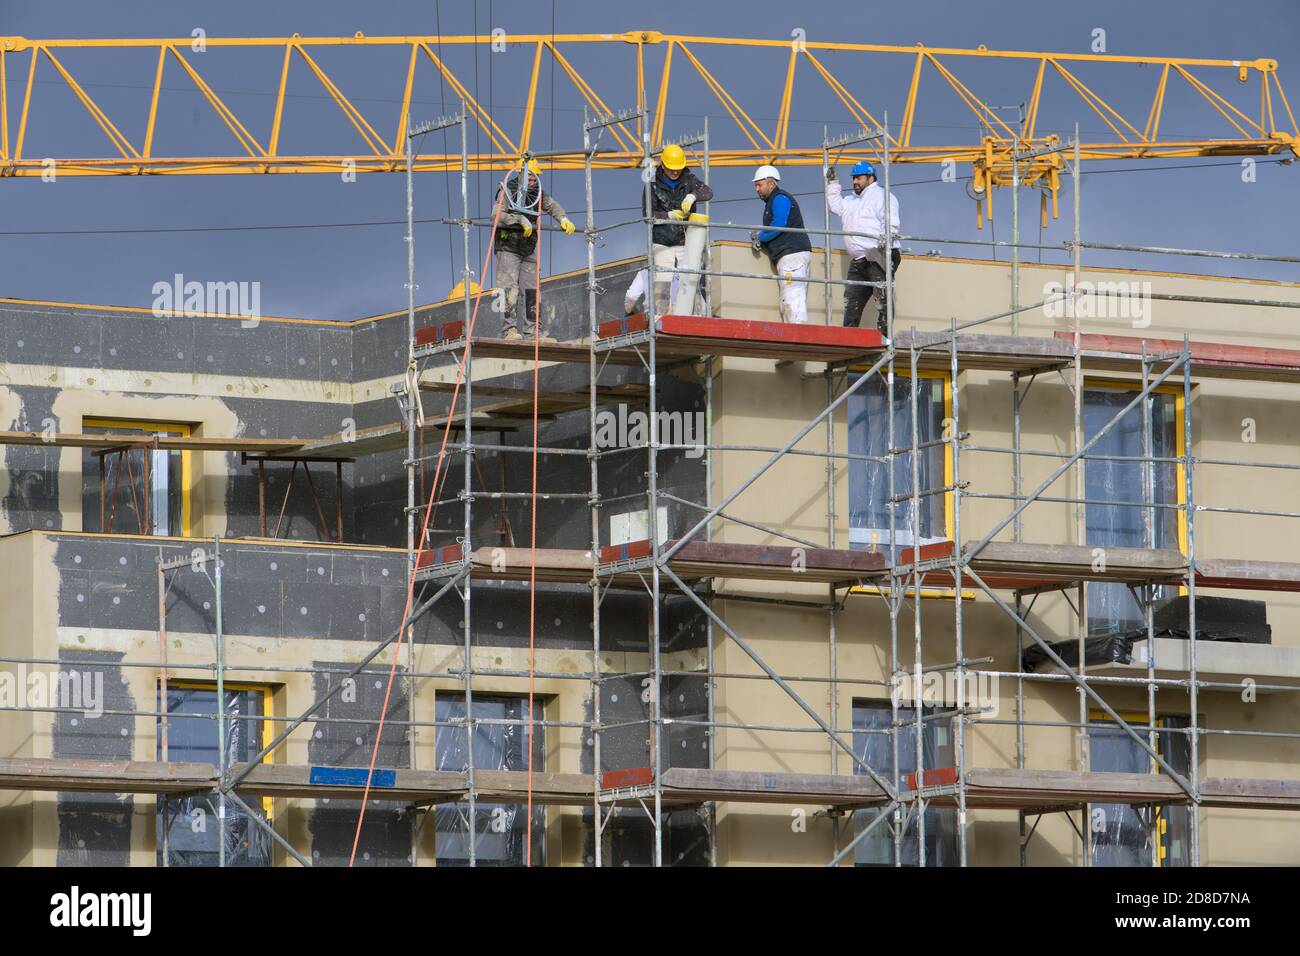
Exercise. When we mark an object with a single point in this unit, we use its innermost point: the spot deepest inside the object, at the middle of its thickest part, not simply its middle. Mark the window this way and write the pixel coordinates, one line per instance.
(135, 490)
(191, 823)
(500, 829)
(873, 744)
(1112, 608)
(868, 418)
(1122, 834)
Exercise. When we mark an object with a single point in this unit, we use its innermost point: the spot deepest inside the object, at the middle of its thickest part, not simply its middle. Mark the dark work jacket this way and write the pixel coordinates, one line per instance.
(785, 242)
(512, 238)
(666, 196)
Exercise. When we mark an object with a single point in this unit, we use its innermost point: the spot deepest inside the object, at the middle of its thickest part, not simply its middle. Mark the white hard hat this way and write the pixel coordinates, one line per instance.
(767, 172)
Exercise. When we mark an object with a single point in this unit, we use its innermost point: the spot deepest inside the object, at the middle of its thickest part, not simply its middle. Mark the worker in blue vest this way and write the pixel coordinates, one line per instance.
(790, 252)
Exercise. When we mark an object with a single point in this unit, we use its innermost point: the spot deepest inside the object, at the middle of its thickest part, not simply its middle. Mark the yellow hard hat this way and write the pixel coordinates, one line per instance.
(533, 168)
(673, 157)
(458, 290)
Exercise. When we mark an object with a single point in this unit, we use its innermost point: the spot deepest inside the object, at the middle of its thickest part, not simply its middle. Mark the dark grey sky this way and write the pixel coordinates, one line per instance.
(345, 271)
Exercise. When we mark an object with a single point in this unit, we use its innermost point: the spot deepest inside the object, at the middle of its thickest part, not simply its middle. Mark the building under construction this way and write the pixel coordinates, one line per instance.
(671, 589)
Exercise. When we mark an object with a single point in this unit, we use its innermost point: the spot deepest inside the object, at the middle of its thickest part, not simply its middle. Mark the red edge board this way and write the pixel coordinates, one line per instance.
(706, 327)
(1204, 353)
(432, 557)
(938, 777)
(433, 334)
(1245, 583)
(939, 549)
(631, 551)
(632, 777)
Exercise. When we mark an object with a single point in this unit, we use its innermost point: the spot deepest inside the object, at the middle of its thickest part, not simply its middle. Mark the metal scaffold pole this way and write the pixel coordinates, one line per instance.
(954, 436)
(710, 687)
(411, 458)
(1194, 741)
(652, 516)
(467, 545)
(1080, 487)
(1147, 602)
(223, 734)
(593, 373)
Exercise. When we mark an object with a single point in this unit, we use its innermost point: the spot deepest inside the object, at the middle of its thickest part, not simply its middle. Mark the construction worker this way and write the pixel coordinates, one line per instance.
(864, 212)
(675, 193)
(789, 252)
(514, 244)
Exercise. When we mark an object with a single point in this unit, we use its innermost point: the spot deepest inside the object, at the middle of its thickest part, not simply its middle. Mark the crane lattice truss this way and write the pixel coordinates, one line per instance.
(1272, 130)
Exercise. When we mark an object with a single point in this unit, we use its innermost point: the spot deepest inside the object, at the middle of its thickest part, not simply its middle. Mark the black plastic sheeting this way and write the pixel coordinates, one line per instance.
(1111, 649)
(1217, 619)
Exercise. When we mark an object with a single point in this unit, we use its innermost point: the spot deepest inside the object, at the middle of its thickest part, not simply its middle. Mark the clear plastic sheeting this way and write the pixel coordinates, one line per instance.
(1112, 608)
(874, 745)
(868, 418)
(1121, 834)
(500, 829)
(193, 831)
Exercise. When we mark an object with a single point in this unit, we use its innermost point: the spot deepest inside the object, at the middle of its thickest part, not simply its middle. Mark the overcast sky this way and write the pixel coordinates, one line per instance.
(348, 259)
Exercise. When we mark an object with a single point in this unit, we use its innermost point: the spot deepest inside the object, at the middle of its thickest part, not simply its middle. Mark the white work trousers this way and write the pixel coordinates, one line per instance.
(793, 270)
(667, 259)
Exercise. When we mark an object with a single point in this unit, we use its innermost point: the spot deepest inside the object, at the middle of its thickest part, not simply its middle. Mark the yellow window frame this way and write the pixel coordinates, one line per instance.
(267, 692)
(948, 469)
(184, 430)
(1180, 441)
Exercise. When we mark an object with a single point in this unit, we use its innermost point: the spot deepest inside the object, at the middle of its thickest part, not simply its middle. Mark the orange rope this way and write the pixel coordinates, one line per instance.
(424, 528)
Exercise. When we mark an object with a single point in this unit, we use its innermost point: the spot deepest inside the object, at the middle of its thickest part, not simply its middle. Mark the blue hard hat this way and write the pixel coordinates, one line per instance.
(864, 168)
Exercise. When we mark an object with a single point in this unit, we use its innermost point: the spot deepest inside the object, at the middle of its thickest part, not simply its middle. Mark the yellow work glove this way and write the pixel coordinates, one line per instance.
(676, 214)
(567, 225)
(688, 202)
(528, 228)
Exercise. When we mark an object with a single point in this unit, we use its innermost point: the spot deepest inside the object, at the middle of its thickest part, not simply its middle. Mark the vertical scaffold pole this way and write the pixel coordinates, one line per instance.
(594, 461)
(1080, 516)
(897, 587)
(711, 684)
(222, 731)
(958, 560)
(1148, 590)
(652, 499)
(410, 449)
(467, 432)
(1195, 739)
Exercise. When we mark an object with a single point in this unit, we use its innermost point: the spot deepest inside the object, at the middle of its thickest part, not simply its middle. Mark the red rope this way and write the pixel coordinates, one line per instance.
(424, 528)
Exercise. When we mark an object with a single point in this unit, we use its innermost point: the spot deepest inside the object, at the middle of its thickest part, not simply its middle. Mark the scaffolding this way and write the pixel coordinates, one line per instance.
(656, 341)
(445, 563)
